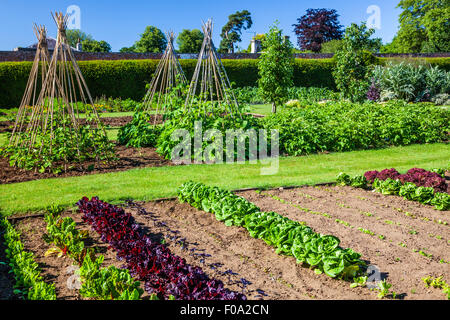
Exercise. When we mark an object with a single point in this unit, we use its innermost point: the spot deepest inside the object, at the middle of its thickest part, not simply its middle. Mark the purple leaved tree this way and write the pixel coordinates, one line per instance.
(317, 26)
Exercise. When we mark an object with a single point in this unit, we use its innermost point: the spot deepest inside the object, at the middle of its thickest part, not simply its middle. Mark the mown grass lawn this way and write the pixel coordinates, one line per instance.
(264, 109)
(3, 139)
(153, 183)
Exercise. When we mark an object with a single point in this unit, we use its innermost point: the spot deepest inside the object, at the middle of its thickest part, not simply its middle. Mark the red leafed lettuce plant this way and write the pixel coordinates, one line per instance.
(420, 177)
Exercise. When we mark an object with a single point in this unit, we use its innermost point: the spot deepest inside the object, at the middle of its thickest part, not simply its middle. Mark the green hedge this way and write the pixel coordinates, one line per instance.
(127, 78)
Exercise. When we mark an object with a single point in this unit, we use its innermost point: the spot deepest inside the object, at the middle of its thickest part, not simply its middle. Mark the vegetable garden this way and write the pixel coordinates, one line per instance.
(375, 234)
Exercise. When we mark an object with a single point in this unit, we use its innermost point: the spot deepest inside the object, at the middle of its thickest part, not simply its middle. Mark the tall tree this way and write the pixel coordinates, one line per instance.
(152, 40)
(231, 32)
(73, 35)
(190, 41)
(317, 26)
(128, 49)
(276, 67)
(424, 26)
(96, 46)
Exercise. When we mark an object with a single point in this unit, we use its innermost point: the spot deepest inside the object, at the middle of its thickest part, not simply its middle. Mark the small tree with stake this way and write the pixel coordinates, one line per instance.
(276, 67)
(353, 62)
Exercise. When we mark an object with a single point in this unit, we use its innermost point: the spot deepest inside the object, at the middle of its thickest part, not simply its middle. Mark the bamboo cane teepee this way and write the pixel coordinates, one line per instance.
(210, 82)
(56, 107)
(167, 76)
(41, 60)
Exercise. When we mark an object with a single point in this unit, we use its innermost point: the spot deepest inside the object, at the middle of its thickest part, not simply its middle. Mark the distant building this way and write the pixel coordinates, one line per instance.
(51, 43)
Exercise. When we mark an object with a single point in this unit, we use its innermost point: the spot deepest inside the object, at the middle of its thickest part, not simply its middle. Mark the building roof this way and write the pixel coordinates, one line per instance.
(51, 43)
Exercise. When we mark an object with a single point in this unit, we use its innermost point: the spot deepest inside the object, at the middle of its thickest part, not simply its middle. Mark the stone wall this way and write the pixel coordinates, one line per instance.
(28, 55)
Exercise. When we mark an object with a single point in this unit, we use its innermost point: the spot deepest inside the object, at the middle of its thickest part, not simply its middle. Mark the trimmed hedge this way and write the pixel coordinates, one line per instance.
(127, 78)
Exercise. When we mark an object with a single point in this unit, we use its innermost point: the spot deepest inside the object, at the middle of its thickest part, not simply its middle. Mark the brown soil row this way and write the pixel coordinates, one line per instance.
(6, 126)
(129, 158)
(113, 122)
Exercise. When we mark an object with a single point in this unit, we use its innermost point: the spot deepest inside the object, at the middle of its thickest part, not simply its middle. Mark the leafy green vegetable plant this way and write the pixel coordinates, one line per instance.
(63, 233)
(140, 132)
(26, 270)
(408, 190)
(438, 282)
(107, 283)
(383, 288)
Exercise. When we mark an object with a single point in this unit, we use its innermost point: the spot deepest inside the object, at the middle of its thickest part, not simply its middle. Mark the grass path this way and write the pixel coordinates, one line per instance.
(152, 183)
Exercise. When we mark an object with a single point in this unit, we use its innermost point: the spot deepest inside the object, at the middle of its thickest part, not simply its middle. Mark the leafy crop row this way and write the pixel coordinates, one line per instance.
(381, 182)
(100, 283)
(26, 270)
(420, 177)
(292, 238)
(164, 273)
(343, 126)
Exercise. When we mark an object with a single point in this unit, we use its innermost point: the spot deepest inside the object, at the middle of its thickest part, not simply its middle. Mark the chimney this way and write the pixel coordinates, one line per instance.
(255, 46)
(79, 45)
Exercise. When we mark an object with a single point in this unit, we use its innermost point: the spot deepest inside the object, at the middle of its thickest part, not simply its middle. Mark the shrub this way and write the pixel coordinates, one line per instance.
(410, 82)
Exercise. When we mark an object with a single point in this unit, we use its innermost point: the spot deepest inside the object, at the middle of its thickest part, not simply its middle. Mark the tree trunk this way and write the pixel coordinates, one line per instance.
(274, 107)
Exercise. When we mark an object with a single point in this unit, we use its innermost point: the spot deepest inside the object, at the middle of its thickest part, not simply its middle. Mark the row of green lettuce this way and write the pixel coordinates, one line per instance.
(291, 238)
(407, 190)
(27, 274)
(128, 78)
(308, 129)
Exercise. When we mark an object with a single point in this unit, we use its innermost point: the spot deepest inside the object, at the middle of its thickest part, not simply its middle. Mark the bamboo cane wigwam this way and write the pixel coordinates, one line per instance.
(41, 60)
(210, 84)
(56, 107)
(168, 75)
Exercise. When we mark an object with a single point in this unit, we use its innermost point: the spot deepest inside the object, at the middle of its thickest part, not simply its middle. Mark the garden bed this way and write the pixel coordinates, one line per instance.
(6, 126)
(244, 263)
(129, 158)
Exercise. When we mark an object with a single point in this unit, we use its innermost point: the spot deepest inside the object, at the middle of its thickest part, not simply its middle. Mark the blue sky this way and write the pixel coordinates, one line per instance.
(119, 22)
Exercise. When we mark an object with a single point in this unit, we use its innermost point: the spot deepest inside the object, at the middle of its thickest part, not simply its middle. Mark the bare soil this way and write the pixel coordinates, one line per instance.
(129, 158)
(6, 126)
(117, 122)
(250, 265)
